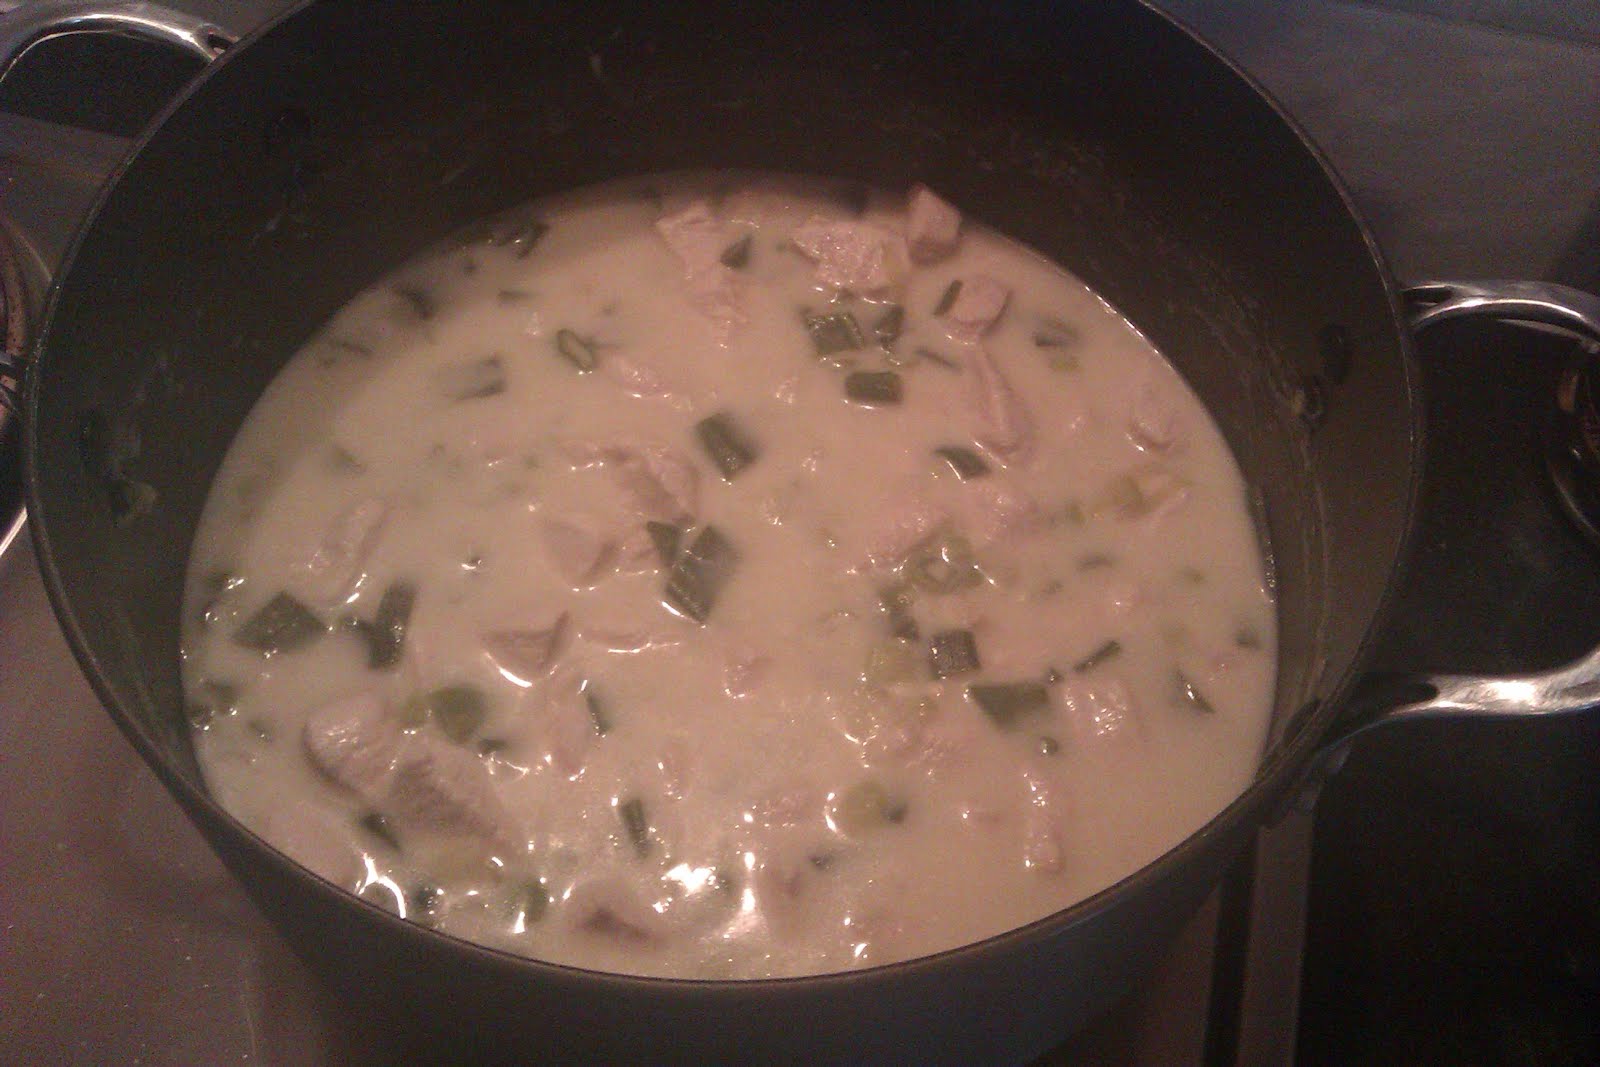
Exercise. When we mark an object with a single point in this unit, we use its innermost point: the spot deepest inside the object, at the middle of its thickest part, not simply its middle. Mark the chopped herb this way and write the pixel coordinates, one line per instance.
(1072, 513)
(952, 652)
(896, 602)
(865, 807)
(283, 624)
(891, 663)
(948, 299)
(576, 350)
(637, 824)
(966, 463)
(944, 563)
(210, 700)
(731, 451)
(532, 900)
(833, 333)
(1053, 333)
(737, 255)
(597, 709)
(1190, 693)
(939, 360)
(698, 575)
(425, 898)
(458, 710)
(418, 300)
(1048, 746)
(520, 237)
(385, 635)
(342, 461)
(472, 380)
(1052, 676)
(821, 861)
(513, 296)
(375, 824)
(1006, 703)
(493, 746)
(1247, 637)
(1107, 651)
(886, 330)
(1095, 561)
(873, 388)
(666, 537)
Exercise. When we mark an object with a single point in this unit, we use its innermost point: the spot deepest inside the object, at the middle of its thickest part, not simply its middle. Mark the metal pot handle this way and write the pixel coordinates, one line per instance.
(23, 27)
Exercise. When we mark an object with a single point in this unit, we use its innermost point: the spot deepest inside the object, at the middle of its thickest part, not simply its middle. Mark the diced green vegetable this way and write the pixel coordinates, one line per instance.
(1007, 703)
(896, 602)
(492, 746)
(874, 388)
(209, 700)
(521, 237)
(944, 563)
(947, 299)
(666, 537)
(888, 326)
(737, 255)
(939, 360)
(891, 663)
(1054, 337)
(597, 709)
(952, 652)
(1190, 694)
(528, 905)
(457, 710)
(637, 825)
(836, 332)
(865, 807)
(578, 351)
(730, 449)
(513, 296)
(1109, 650)
(966, 463)
(472, 380)
(1048, 746)
(385, 635)
(379, 827)
(343, 461)
(418, 300)
(282, 624)
(1138, 493)
(699, 574)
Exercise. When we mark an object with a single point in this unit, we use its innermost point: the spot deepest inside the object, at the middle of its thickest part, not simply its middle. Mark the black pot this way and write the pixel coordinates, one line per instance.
(312, 158)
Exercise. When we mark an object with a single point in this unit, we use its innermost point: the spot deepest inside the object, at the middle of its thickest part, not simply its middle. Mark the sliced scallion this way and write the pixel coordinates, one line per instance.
(379, 827)
(385, 635)
(666, 537)
(457, 710)
(887, 327)
(418, 300)
(737, 255)
(836, 332)
(729, 448)
(896, 602)
(947, 299)
(874, 388)
(472, 380)
(1190, 694)
(1109, 650)
(952, 652)
(944, 563)
(597, 709)
(637, 825)
(576, 350)
(282, 624)
(699, 573)
(966, 463)
(1007, 703)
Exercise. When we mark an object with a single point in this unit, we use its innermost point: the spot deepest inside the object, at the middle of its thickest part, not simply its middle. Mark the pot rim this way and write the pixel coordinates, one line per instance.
(1279, 776)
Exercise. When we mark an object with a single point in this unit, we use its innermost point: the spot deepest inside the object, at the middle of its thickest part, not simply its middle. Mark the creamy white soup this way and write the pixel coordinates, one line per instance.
(728, 576)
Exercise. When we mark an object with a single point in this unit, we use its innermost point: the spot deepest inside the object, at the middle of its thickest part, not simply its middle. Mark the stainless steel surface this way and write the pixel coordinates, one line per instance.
(1543, 303)
(31, 23)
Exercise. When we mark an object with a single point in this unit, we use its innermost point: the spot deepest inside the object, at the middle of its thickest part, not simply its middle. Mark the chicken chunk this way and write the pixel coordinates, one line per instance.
(698, 238)
(1002, 425)
(659, 483)
(859, 256)
(579, 552)
(337, 563)
(976, 307)
(932, 226)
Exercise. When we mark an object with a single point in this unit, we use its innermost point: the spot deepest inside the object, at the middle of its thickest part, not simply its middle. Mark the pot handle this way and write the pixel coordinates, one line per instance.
(1387, 699)
(25, 26)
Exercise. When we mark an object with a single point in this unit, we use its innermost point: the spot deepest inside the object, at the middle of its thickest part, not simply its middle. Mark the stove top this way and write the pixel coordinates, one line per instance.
(1474, 147)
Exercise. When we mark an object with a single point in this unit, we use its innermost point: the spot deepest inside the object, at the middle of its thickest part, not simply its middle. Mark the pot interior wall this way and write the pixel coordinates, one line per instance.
(331, 148)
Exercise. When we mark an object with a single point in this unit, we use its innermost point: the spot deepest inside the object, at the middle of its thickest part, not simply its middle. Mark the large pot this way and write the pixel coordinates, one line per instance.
(321, 152)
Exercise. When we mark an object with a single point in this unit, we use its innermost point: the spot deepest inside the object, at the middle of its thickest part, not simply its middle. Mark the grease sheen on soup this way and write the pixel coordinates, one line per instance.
(729, 576)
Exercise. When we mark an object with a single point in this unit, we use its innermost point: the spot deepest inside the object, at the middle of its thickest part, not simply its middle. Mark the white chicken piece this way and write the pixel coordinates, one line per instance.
(578, 551)
(1043, 839)
(659, 483)
(333, 570)
(354, 742)
(977, 306)
(1001, 422)
(698, 238)
(933, 227)
(1154, 421)
(523, 656)
(859, 256)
